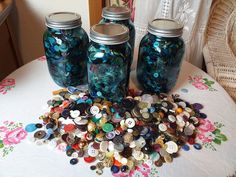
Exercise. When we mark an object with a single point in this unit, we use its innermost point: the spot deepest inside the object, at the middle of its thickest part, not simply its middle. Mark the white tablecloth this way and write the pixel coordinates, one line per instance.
(23, 98)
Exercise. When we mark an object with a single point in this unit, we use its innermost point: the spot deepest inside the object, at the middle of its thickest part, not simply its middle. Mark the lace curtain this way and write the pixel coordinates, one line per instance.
(192, 13)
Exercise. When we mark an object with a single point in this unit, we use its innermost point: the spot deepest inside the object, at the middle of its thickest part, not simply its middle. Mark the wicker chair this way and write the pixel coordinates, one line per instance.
(220, 47)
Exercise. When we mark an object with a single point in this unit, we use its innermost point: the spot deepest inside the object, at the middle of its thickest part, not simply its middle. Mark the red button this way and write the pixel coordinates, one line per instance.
(76, 147)
(58, 109)
(89, 159)
(191, 141)
(69, 127)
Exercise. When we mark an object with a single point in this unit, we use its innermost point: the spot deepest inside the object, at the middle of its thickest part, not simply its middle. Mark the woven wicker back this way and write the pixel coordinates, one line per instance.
(220, 48)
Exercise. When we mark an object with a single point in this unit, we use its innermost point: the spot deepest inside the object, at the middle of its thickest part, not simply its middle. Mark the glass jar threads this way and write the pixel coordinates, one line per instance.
(160, 56)
(120, 15)
(65, 44)
(109, 54)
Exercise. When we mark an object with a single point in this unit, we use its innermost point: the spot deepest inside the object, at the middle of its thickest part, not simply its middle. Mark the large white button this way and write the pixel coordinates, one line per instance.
(130, 122)
(162, 127)
(74, 114)
(92, 152)
(94, 110)
(172, 147)
(104, 145)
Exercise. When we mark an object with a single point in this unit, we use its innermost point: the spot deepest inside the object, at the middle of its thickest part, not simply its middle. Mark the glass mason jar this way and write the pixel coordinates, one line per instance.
(120, 15)
(65, 44)
(160, 56)
(109, 54)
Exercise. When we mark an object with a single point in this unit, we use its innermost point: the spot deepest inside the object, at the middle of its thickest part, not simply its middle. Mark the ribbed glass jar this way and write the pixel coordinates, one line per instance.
(65, 44)
(120, 15)
(109, 54)
(160, 56)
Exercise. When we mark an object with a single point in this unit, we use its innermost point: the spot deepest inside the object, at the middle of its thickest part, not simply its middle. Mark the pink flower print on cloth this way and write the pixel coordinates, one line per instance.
(141, 170)
(43, 58)
(14, 136)
(209, 134)
(11, 134)
(6, 85)
(201, 83)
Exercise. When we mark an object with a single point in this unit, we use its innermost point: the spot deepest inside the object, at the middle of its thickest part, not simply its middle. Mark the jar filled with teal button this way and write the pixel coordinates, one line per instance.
(120, 15)
(160, 56)
(109, 54)
(65, 44)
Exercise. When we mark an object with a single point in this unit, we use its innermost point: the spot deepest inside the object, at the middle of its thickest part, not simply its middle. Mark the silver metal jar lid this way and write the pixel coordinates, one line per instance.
(116, 13)
(63, 20)
(109, 33)
(165, 28)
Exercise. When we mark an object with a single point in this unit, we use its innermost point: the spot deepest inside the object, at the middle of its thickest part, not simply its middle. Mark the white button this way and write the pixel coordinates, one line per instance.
(186, 114)
(180, 123)
(182, 104)
(98, 116)
(93, 152)
(74, 155)
(111, 146)
(130, 122)
(77, 120)
(162, 127)
(94, 110)
(104, 145)
(172, 147)
(82, 122)
(61, 119)
(124, 161)
(138, 155)
(189, 110)
(130, 130)
(179, 118)
(140, 142)
(132, 144)
(57, 98)
(74, 114)
(82, 94)
(74, 97)
(171, 118)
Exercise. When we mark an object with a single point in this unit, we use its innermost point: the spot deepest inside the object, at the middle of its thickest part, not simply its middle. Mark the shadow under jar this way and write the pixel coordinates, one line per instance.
(120, 15)
(160, 56)
(109, 54)
(65, 44)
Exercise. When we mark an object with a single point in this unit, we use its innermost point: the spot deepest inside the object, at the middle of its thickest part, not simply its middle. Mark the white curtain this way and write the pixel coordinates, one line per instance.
(192, 13)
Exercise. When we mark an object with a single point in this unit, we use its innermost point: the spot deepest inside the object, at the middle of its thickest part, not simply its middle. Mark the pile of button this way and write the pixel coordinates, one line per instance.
(142, 128)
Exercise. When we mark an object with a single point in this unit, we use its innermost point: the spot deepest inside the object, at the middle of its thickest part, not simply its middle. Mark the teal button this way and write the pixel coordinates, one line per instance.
(107, 127)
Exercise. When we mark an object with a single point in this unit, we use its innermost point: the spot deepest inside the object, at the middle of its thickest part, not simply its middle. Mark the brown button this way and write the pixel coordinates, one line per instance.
(40, 134)
(81, 153)
(159, 162)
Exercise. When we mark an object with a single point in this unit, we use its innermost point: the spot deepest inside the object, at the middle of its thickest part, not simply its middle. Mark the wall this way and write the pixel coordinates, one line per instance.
(27, 22)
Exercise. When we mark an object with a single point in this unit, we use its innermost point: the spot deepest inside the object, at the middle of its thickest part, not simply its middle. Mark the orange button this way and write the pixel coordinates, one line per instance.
(69, 127)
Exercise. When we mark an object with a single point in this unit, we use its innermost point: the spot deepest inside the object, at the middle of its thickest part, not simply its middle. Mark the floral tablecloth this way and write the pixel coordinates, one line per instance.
(23, 98)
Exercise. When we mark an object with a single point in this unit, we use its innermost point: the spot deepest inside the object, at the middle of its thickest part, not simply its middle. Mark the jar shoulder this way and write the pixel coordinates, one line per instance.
(154, 42)
(127, 23)
(78, 33)
(97, 51)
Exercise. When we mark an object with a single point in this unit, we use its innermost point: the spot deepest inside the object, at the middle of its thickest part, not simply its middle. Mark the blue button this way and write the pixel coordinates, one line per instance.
(197, 146)
(115, 169)
(30, 127)
(72, 89)
(186, 147)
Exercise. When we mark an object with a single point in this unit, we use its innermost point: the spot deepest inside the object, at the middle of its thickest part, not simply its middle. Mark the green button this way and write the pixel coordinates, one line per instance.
(107, 127)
